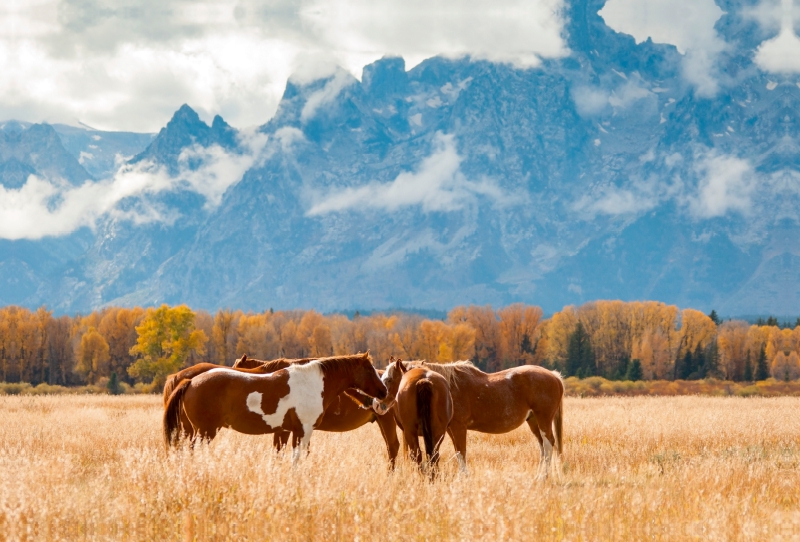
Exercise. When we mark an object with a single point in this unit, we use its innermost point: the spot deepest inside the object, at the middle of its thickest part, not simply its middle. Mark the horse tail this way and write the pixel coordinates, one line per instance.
(172, 413)
(169, 386)
(558, 421)
(424, 400)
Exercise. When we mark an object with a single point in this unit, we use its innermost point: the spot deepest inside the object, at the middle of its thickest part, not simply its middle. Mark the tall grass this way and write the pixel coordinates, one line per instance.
(668, 468)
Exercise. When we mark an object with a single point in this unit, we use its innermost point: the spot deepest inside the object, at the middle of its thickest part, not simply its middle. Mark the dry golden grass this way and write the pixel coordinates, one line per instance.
(669, 468)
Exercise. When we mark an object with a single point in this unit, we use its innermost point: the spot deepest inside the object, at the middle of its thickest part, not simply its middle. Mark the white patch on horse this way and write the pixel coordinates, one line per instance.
(306, 383)
(254, 403)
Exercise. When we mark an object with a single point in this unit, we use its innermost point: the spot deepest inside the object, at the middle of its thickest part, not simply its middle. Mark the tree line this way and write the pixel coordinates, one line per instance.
(614, 339)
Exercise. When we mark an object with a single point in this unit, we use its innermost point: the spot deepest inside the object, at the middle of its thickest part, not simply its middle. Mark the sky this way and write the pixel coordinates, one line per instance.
(129, 64)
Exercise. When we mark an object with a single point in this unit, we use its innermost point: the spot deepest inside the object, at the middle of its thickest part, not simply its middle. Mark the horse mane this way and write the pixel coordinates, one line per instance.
(450, 371)
(341, 363)
(282, 363)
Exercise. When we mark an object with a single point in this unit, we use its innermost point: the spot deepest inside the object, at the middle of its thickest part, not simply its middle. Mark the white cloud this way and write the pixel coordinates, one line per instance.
(780, 54)
(686, 24)
(50, 207)
(326, 94)
(616, 201)
(128, 64)
(436, 185)
(726, 183)
(591, 101)
(515, 31)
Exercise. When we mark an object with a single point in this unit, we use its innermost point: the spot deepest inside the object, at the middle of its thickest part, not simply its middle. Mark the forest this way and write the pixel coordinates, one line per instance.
(135, 348)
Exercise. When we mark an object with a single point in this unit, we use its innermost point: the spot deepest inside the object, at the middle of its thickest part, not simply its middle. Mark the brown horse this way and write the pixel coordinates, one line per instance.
(423, 405)
(496, 403)
(348, 412)
(292, 399)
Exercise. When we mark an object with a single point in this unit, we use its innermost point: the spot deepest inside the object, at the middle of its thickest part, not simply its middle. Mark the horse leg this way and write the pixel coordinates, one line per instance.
(300, 443)
(388, 428)
(411, 440)
(535, 430)
(458, 434)
(280, 439)
(544, 434)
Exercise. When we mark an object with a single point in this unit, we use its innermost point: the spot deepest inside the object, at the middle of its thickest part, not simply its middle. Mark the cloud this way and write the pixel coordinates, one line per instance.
(51, 207)
(326, 94)
(780, 54)
(686, 24)
(590, 100)
(515, 31)
(638, 197)
(436, 185)
(726, 183)
(127, 64)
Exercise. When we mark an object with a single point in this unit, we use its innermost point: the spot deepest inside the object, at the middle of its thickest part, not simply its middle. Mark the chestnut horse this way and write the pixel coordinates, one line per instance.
(292, 399)
(496, 403)
(423, 405)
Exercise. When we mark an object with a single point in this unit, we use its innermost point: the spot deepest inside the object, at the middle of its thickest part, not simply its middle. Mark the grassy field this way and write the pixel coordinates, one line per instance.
(663, 468)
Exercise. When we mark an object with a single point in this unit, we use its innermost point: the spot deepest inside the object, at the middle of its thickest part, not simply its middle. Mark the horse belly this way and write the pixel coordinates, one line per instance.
(344, 416)
(497, 413)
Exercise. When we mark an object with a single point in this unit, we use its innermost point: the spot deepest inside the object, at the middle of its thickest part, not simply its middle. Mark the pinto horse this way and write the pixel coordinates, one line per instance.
(424, 405)
(496, 403)
(292, 399)
(348, 412)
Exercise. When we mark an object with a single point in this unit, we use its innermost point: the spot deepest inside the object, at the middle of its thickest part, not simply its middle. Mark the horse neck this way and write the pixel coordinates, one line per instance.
(334, 384)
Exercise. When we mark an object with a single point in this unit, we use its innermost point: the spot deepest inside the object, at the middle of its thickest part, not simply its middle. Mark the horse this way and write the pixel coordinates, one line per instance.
(261, 367)
(495, 403)
(292, 399)
(348, 412)
(423, 404)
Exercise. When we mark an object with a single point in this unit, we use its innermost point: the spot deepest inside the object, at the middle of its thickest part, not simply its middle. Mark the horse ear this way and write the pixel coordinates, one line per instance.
(400, 366)
(244, 358)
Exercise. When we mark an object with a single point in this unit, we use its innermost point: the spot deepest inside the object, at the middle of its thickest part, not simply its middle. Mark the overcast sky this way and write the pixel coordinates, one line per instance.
(129, 64)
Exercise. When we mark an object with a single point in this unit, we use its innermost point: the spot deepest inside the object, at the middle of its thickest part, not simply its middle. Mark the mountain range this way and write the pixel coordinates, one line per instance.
(603, 174)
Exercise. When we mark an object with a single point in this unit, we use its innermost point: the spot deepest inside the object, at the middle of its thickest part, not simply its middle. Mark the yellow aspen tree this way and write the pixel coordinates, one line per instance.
(165, 339)
(92, 356)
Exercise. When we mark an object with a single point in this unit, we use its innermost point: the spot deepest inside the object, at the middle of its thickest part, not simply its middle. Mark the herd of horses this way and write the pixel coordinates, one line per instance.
(294, 397)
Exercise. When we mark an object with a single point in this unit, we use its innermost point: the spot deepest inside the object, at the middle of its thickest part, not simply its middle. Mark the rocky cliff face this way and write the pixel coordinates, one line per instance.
(600, 175)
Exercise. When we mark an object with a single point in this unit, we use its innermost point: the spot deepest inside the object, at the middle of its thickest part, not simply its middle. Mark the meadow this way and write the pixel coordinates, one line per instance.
(662, 468)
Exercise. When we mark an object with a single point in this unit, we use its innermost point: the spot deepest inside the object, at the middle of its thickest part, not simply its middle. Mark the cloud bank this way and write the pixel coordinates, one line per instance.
(436, 185)
(686, 24)
(123, 65)
(51, 207)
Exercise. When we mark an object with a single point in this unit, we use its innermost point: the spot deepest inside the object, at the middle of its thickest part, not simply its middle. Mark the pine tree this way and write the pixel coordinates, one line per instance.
(687, 367)
(634, 371)
(580, 357)
(714, 318)
(772, 321)
(762, 371)
(748, 369)
(113, 384)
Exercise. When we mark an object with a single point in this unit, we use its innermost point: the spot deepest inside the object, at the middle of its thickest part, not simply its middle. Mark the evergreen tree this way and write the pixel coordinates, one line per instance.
(772, 321)
(760, 321)
(687, 367)
(714, 317)
(748, 369)
(797, 322)
(699, 363)
(634, 370)
(762, 371)
(113, 384)
(580, 358)
(620, 373)
(710, 367)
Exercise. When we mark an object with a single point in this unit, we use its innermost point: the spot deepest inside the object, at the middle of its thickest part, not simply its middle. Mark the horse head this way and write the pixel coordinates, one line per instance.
(367, 379)
(391, 379)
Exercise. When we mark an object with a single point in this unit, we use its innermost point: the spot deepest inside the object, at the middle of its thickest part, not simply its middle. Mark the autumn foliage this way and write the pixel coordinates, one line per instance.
(618, 341)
